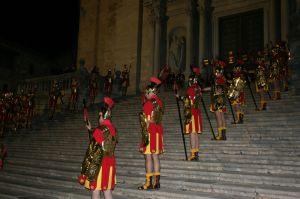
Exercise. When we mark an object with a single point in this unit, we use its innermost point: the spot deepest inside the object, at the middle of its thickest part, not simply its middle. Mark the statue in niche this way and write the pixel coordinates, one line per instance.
(176, 56)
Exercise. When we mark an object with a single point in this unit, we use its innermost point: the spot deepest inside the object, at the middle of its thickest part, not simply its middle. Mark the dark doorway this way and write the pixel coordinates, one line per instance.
(241, 33)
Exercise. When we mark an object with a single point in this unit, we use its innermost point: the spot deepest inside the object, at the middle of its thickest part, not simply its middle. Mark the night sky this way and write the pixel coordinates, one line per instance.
(46, 26)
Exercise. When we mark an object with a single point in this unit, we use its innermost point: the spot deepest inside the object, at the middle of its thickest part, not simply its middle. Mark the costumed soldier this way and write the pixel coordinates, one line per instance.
(92, 88)
(274, 72)
(53, 95)
(229, 65)
(74, 94)
(284, 56)
(56, 94)
(218, 99)
(125, 79)
(108, 83)
(236, 93)
(30, 108)
(98, 171)
(152, 134)
(2, 115)
(180, 78)
(261, 83)
(3, 153)
(207, 72)
(193, 119)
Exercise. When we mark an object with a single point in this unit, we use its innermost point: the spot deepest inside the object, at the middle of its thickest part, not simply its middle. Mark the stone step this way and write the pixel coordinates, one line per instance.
(179, 164)
(7, 195)
(41, 190)
(203, 156)
(226, 151)
(223, 176)
(10, 193)
(171, 138)
(121, 191)
(133, 116)
(173, 119)
(219, 148)
(243, 190)
(260, 159)
(169, 132)
(177, 183)
(169, 135)
(170, 125)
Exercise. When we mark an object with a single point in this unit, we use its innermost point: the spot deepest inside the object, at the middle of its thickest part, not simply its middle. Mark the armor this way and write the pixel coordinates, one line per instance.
(157, 113)
(144, 132)
(261, 79)
(92, 86)
(219, 97)
(125, 80)
(235, 88)
(274, 71)
(110, 142)
(187, 110)
(108, 83)
(93, 158)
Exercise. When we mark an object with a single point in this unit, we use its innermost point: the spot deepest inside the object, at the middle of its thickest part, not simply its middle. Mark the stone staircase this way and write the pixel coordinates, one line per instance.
(260, 159)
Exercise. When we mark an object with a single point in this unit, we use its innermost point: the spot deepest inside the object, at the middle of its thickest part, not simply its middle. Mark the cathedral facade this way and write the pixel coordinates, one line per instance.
(147, 34)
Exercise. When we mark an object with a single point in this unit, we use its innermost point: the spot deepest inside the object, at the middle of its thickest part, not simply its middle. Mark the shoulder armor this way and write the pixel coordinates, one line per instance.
(109, 143)
(187, 110)
(92, 160)
(157, 112)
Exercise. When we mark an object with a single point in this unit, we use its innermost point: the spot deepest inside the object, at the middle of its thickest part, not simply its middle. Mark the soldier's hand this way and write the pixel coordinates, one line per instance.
(88, 125)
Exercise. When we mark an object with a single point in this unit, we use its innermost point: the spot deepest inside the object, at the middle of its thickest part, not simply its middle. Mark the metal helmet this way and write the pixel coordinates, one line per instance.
(153, 86)
(106, 108)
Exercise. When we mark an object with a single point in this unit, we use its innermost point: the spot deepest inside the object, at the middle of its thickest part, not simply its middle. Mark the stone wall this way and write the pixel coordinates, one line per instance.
(108, 35)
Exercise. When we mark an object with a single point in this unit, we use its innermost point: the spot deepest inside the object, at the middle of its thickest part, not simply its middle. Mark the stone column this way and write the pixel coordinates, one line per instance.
(284, 20)
(95, 62)
(201, 10)
(277, 19)
(294, 45)
(139, 46)
(208, 9)
(272, 21)
(159, 9)
(189, 34)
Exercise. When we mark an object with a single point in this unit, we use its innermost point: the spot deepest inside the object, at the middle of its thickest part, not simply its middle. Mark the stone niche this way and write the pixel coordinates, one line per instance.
(175, 39)
(176, 36)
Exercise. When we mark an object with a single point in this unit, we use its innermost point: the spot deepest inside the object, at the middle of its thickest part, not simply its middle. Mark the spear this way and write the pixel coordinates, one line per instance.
(206, 113)
(181, 126)
(249, 86)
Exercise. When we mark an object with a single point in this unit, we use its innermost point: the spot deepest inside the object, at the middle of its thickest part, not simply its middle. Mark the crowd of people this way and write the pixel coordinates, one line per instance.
(57, 93)
(120, 77)
(226, 81)
(16, 112)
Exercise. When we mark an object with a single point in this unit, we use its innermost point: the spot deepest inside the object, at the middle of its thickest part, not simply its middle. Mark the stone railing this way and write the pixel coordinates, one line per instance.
(42, 85)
